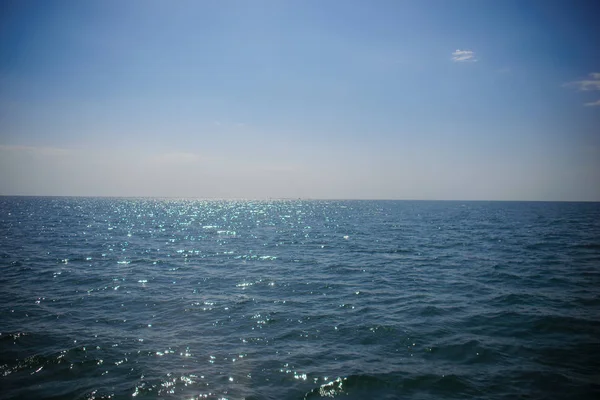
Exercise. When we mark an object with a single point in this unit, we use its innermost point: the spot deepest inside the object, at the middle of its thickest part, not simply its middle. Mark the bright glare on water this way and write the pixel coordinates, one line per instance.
(189, 299)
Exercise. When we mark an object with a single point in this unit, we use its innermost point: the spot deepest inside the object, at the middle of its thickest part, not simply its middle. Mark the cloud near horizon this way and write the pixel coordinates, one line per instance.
(177, 158)
(36, 150)
(463, 56)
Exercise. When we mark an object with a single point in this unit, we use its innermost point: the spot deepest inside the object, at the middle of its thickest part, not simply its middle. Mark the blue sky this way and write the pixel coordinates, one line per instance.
(313, 99)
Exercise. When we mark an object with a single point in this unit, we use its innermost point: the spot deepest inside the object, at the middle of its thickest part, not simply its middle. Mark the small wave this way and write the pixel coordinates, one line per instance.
(588, 246)
(566, 324)
(353, 386)
(370, 387)
(466, 352)
(515, 299)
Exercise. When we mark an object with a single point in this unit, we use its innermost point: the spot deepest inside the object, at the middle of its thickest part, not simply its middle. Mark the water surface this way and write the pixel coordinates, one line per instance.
(188, 299)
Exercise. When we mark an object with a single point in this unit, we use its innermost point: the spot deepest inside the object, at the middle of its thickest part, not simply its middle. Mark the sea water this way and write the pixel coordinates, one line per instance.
(290, 299)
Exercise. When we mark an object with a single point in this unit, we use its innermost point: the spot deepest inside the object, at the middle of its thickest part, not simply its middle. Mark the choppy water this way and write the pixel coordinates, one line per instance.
(114, 298)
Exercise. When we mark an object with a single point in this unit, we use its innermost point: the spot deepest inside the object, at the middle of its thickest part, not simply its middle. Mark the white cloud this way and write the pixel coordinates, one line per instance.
(593, 83)
(593, 103)
(463, 56)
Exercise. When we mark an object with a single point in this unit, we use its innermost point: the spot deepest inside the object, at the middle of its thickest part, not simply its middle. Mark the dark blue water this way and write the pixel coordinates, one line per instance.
(114, 298)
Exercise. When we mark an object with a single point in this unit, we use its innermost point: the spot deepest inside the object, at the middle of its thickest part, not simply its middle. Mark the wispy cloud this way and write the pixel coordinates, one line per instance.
(593, 83)
(463, 56)
(40, 150)
(229, 124)
(593, 103)
(177, 158)
(587, 85)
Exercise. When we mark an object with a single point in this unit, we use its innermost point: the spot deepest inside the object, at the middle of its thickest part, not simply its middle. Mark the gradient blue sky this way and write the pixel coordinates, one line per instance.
(313, 99)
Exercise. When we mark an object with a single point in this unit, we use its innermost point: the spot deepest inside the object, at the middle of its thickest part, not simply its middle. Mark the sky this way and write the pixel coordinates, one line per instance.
(335, 99)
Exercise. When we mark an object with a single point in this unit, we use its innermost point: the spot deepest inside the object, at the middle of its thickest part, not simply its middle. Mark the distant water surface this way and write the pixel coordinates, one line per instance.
(184, 299)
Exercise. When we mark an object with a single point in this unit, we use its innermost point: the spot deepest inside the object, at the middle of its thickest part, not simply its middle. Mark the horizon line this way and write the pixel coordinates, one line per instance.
(291, 198)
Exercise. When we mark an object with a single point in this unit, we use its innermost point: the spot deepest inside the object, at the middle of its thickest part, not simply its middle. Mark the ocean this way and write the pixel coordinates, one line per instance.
(109, 298)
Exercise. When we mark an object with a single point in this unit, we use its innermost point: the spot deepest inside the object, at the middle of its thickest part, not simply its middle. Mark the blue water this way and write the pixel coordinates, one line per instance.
(185, 299)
